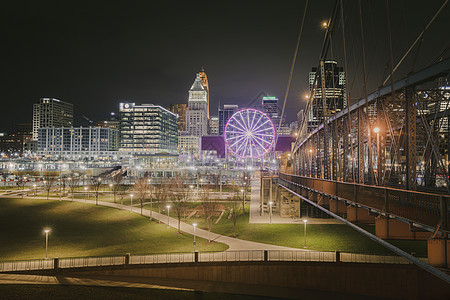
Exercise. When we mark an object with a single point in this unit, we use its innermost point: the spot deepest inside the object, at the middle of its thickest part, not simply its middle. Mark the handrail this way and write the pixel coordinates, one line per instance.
(373, 237)
(201, 257)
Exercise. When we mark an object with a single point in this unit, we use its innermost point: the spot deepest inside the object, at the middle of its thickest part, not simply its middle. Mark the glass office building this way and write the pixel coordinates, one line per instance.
(147, 129)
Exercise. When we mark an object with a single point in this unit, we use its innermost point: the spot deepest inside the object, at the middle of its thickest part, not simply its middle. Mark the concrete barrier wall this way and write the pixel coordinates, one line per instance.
(376, 280)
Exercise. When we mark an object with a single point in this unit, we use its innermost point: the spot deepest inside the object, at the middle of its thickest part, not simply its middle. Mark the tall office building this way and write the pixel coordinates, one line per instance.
(271, 109)
(335, 93)
(196, 115)
(224, 115)
(204, 80)
(180, 110)
(51, 112)
(147, 129)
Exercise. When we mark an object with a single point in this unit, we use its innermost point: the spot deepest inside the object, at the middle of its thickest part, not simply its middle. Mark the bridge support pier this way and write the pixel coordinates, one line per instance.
(337, 207)
(439, 252)
(387, 228)
(359, 215)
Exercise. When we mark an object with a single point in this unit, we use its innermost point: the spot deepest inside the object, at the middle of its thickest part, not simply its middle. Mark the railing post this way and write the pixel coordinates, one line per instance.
(266, 255)
(196, 256)
(127, 258)
(338, 256)
(56, 263)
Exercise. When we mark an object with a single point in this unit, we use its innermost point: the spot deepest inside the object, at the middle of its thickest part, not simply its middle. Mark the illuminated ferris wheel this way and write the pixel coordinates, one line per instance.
(249, 133)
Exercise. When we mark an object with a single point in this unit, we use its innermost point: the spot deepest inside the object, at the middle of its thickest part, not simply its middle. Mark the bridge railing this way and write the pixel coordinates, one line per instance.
(202, 257)
(424, 208)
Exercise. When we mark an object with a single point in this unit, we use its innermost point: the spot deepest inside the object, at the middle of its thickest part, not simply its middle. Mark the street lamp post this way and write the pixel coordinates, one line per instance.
(34, 186)
(270, 211)
(131, 205)
(304, 222)
(85, 191)
(46, 242)
(168, 209)
(195, 225)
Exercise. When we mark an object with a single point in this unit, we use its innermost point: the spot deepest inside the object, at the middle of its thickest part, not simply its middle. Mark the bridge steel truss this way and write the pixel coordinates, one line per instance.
(411, 148)
(425, 210)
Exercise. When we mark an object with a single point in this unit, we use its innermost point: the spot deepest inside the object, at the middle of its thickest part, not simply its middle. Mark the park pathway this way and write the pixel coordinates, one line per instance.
(233, 243)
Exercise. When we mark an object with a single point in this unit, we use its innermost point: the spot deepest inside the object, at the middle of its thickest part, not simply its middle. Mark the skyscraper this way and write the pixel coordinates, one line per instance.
(196, 116)
(270, 108)
(204, 80)
(224, 115)
(335, 93)
(51, 112)
(147, 129)
(180, 110)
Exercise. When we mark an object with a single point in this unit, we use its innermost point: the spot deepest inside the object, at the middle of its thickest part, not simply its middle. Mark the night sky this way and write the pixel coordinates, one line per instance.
(96, 54)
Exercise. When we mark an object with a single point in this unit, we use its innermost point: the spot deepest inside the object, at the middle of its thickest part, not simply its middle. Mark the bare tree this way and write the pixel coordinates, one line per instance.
(180, 196)
(62, 186)
(21, 184)
(161, 193)
(48, 184)
(142, 190)
(234, 211)
(117, 182)
(3, 176)
(96, 183)
(209, 208)
(73, 183)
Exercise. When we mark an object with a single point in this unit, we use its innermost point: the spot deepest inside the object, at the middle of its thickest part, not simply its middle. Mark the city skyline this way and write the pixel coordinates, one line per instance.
(96, 57)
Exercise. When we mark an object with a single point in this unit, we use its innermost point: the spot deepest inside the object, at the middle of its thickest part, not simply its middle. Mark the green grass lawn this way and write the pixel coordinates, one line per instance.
(320, 237)
(79, 229)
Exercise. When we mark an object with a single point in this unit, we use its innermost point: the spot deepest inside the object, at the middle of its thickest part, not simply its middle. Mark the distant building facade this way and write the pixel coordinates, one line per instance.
(224, 115)
(213, 125)
(147, 129)
(77, 142)
(196, 115)
(335, 93)
(188, 144)
(180, 110)
(51, 112)
(15, 142)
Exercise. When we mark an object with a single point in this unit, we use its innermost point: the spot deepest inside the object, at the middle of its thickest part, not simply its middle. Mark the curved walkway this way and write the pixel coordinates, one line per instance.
(233, 243)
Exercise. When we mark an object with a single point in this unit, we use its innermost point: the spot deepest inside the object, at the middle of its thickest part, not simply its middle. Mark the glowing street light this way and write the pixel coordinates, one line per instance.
(168, 209)
(270, 211)
(304, 222)
(195, 225)
(324, 24)
(46, 242)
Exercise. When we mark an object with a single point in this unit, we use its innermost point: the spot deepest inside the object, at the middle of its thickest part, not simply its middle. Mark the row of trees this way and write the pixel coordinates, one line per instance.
(160, 193)
(178, 195)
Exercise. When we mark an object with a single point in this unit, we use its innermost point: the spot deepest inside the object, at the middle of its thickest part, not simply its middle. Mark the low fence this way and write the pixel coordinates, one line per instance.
(200, 257)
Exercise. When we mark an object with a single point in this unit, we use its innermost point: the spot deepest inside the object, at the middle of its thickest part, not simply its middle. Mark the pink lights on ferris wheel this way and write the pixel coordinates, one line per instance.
(249, 133)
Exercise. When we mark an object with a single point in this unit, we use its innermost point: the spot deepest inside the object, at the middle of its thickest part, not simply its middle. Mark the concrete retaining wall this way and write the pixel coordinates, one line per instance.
(372, 280)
